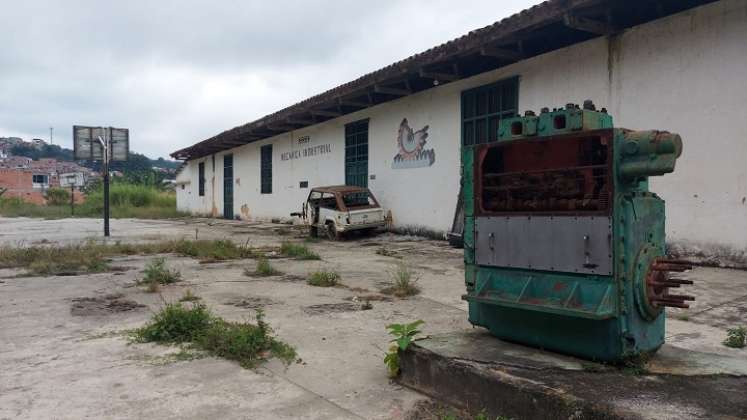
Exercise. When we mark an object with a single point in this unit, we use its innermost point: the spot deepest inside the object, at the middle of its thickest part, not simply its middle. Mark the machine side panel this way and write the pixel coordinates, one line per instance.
(573, 244)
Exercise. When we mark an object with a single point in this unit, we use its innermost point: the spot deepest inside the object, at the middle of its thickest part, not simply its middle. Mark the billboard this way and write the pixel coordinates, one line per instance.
(72, 179)
(87, 146)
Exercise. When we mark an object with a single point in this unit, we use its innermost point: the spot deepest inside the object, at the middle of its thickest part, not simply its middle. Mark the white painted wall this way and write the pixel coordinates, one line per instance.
(686, 73)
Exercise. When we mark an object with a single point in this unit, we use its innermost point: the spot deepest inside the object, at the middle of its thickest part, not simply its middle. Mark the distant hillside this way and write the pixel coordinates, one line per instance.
(136, 163)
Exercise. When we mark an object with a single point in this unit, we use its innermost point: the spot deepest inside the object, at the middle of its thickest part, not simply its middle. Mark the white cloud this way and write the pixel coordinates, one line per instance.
(176, 72)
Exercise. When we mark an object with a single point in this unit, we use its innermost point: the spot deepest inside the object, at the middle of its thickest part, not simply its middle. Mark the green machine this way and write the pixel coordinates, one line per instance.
(563, 241)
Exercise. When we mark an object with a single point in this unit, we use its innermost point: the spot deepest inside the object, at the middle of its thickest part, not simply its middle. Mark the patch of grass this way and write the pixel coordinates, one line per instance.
(298, 251)
(47, 260)
(209, 250)
(90, 256)
(404, 282)
(188, 296)
(324, 278)
(736, 338)
(421, 231)
(156, 272)
(175, 324)
(240, 341)
(311, 239)
(264, 269)
(126, 200)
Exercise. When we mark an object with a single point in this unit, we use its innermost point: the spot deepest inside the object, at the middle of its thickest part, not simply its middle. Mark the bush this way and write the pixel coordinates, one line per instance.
(324, 279)
(58, 197)
(298, 251)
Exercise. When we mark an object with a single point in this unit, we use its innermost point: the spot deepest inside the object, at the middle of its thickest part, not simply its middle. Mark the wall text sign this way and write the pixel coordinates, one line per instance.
(322, 149)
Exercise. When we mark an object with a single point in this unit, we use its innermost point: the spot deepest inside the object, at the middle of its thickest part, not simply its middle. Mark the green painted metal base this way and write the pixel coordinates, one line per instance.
(592, 339)
(573, 314)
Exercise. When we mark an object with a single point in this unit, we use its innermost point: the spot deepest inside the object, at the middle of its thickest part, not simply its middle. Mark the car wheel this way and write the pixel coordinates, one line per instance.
(332, 234)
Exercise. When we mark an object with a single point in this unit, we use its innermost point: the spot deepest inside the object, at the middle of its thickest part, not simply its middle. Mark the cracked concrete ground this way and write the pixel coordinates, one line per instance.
(61, 363)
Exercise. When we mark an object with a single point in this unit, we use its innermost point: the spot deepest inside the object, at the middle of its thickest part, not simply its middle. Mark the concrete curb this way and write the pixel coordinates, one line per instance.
(527, 392)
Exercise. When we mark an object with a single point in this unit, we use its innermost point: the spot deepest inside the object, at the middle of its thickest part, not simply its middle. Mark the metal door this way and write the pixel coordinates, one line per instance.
(228, 187)
(356, 153)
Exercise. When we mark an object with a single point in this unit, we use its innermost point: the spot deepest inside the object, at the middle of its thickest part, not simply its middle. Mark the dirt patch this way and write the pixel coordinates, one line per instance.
(332, 308)
(369, 298)
(105, 305)
(251, 302)
(364, 244)
(292, 278)
(431, 270)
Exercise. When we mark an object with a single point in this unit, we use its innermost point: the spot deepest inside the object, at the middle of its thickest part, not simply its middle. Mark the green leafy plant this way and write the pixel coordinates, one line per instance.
(736, 338)
(324, 278)
(404, 335)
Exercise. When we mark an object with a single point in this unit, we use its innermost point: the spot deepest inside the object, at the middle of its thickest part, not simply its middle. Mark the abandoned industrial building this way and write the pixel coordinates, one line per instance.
(672, 65)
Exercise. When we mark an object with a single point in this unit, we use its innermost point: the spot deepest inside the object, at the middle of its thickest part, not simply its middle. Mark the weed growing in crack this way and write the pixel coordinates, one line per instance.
(264, 269)
(404, 282)
(324, 278)
(157, 274)
(736, 338)
(298, 251)
(188, 296)
(243, 342)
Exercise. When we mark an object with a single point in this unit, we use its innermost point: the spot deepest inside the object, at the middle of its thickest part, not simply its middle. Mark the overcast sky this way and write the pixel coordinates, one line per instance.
(177, 72)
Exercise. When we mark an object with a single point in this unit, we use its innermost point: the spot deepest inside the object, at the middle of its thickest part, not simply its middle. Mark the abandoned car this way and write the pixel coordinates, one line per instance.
(336, 210)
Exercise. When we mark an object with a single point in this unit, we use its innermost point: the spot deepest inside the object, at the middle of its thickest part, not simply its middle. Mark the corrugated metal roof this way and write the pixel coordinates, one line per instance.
(544, 27)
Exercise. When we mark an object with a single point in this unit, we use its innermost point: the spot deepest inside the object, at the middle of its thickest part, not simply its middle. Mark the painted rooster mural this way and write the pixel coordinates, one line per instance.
(411, 144)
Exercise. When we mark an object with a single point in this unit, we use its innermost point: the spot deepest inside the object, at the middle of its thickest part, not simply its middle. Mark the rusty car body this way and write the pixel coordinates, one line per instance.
(334, 211)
